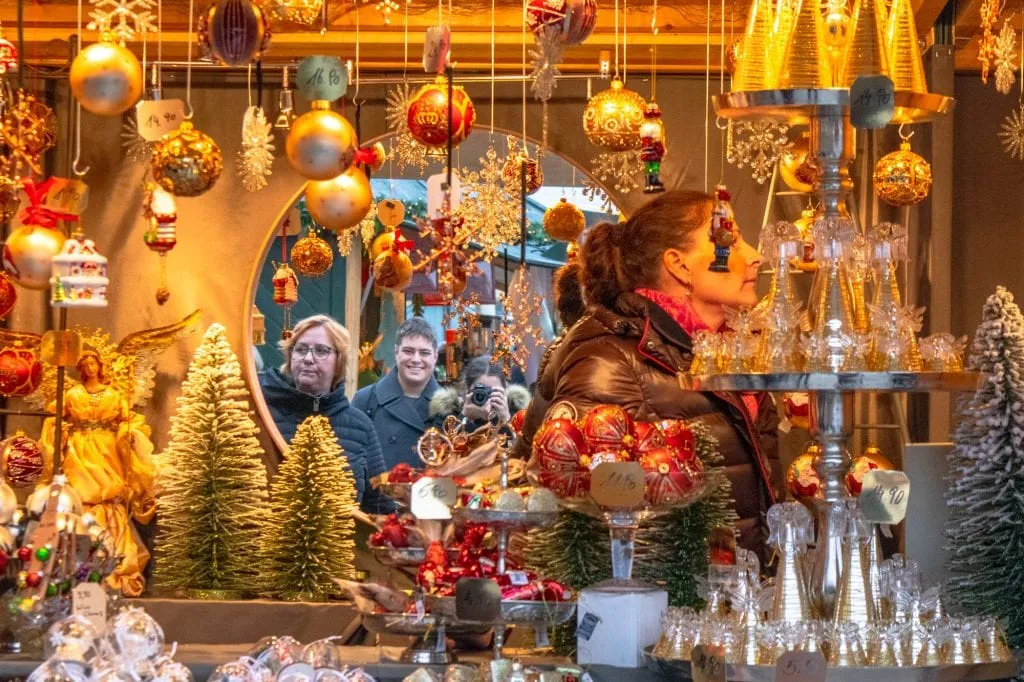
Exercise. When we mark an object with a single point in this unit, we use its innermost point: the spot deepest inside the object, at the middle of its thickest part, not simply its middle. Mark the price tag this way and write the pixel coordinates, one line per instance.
(618, 484)
(801, 666)
(585, 628)
(90, 601)
(708, 665)
(884, 496)
(872, 102)
(156, 118)
(518, 578)
(437, 47)
(432, 498)
(477, 600)
(436, 194)
(67, 196)
(60, 348)
(321, 77)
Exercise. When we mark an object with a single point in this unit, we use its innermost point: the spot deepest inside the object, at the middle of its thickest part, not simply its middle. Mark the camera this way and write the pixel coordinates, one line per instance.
(481, 394)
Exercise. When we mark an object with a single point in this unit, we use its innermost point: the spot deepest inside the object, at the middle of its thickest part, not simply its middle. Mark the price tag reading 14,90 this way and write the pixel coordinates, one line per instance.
(885, 496)
(432, 498)
(707, 664)
(618, 484)
(801, 666)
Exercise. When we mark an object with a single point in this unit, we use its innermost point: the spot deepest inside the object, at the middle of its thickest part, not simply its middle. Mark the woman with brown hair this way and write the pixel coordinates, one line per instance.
(649, 288)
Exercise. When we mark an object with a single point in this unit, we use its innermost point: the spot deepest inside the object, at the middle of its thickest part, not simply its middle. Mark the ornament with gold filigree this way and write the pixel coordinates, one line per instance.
(301, 12)
(511, 172)
(487, 203)
(612, 120)
(564, 221)
(107, 454)
(519, 335)
(902, 178)
(405, 150)
(427, 116)
(186, 162)
(392, 268)
(28, 129)
(311, 255)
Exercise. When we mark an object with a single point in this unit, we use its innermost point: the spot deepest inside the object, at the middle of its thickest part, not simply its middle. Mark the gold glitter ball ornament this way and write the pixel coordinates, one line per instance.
(902, 178)
(312, 256)
(28, 129)
(186, 162)
(612, 117)
(321, 143)
(106, 78)
(341, 202)
(564, 221)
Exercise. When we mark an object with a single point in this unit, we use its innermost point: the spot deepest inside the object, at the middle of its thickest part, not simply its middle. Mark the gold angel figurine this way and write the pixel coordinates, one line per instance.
(105, 445)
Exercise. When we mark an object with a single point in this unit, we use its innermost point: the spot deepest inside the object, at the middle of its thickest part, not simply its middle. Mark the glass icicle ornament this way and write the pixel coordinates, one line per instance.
(865, 54)
(846, 649)
(854, 601)
(791, 530)
(755, 68)
(905, 66)
(780, 308)
(837, 33)
(806, 63)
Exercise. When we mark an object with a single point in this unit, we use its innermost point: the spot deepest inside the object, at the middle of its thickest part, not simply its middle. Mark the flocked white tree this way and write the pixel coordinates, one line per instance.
(986, 475)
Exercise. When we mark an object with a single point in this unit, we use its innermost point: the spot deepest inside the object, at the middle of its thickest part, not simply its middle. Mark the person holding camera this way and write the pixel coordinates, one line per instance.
(484, 395)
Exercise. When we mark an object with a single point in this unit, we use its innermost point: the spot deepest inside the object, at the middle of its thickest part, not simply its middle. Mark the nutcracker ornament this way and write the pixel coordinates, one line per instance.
(723, 229)
(161, 234)
(652, 147)
(286, 295)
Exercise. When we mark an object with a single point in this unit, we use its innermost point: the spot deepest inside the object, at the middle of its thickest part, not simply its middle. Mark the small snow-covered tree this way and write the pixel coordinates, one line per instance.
(986, 475)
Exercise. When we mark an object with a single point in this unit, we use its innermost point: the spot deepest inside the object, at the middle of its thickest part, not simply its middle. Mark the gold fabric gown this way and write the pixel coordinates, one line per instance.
(108, 461)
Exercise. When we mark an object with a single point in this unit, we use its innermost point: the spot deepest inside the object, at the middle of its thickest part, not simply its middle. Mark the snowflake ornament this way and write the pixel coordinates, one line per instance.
(622, 169)
(257, 154)
(465, 314)
(990, 10)
(135, 147)
(122, 19)
(594, 192)
(405, 150)
(1005, 53)
(386, 7)
(489, 208)
(1012, 133)
(758, 144)
(546, 55)
(519, 334)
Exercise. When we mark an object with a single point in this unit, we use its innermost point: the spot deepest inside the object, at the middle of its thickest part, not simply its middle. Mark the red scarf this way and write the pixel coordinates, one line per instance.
(680, 310)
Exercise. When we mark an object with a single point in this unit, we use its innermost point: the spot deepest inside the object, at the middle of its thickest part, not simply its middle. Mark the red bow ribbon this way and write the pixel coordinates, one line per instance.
(37, 214)
(401, 244)
(365, 156)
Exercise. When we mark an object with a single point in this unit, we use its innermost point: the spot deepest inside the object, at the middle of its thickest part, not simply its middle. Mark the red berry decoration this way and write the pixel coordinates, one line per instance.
(24, 553)
(33, 579)
(402, 473)
(608, 427)
(559, 445)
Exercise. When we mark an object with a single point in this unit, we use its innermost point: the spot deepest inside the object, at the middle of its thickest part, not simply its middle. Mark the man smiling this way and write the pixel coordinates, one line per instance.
(398, 404)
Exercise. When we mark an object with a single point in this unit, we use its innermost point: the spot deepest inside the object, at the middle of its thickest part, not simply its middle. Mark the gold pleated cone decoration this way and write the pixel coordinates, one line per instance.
(865, 53)
(805, 64)
(755, 70)
(904, 52)
(874, 570)
(785, 16)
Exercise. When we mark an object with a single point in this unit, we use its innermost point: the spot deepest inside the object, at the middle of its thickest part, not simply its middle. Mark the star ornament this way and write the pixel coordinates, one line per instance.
(1012, 133)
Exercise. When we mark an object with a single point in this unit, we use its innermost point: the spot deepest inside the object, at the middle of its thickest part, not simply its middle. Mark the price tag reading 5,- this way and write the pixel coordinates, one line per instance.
(885, 496)
(432, 498)
(618, 484)
(707, 665)
(801, 666)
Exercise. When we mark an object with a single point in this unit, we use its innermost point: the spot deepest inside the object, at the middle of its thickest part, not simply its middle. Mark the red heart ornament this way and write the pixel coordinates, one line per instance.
(559, 445)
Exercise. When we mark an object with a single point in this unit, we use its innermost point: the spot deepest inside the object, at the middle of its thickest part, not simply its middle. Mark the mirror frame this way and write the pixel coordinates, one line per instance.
(352, 302)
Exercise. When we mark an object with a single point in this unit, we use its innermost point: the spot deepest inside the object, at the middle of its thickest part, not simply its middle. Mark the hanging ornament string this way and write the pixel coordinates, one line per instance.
(405, 46)
(78, 107)
(248, 82)
(654, 52)
(355, 95)
(524, 84)
(159, 41)
(21, 41)
(707, 98)
(625, 43)
(490, 137)
(719, 122)
(616, 38)
(188, 67)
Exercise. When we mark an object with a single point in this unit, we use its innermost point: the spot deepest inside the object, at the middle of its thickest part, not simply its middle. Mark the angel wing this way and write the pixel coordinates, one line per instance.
(134, 370)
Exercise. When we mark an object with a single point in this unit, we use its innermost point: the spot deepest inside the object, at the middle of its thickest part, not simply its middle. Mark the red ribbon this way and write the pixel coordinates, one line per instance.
(365, 156)
(401, 244)
(37, 214)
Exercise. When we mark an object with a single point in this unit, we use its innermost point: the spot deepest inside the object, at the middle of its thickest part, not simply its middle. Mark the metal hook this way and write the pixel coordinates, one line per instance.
(190, 112)
(719, 121)
(78, 143)
(903, 136)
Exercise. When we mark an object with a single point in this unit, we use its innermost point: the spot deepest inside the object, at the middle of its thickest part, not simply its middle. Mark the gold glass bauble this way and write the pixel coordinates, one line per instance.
(312, 256)
(28, 253)
(793, 166)
(805, 61)
(381, 243)
(342, 201)
(321, 143)
(106, 78)
(564, 221)
(392, 270)
(186, 162)
(905, 66)
(612, 117)
(865, 50)
(902, 178)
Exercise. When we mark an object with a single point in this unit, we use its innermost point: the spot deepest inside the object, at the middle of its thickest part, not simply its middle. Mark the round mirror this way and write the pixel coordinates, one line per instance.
(335, 280)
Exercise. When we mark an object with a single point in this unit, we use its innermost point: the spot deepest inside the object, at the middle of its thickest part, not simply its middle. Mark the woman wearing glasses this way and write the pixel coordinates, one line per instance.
(311, 381)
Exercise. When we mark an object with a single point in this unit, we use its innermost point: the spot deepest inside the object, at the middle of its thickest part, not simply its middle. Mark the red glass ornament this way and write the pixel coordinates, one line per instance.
(427, 115)
(33, 579)
(869, 461)
(648, 437)
(8, 295)
(402, 473)
(20, 370)
(24, 553)
(667, 480)
(22, 460)
(608, 427)
(678, 435)
(559, 445)
(4, 558)
(574, 20)
(236, 32)
(517, 421)
(566, 484)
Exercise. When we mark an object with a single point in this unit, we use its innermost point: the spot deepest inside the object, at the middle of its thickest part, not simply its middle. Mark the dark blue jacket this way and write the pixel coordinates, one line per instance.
(290, 406)
(398, 424)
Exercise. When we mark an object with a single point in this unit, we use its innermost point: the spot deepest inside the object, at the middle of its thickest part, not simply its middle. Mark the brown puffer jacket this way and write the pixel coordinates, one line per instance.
(630, 356)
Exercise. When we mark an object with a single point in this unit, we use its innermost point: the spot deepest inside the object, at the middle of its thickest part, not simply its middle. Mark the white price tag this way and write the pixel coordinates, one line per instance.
(437, 46)
(885, 496)
(156, 118)
(801, 666)
(89, 600)
(618, 484)
(322, 78)
(518, 578)
(432, 498)
(436, 194)
(707, 664)
(872, 102)
(67, 196)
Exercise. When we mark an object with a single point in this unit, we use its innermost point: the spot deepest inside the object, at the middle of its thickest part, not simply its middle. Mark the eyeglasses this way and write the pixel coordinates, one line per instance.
(319, 352)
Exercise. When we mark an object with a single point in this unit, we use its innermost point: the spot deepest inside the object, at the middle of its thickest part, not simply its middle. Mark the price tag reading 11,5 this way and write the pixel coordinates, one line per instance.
(801, 666)
(432, 498)
(618, 484)
(885, 496)
(707, 664)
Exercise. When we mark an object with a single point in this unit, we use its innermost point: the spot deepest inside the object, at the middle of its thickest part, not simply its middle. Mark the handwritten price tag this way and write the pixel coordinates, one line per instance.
(437, 46)
(872, 102)
(618, 484)
(67, 196)
(90, 601)
(885, 496)
(436, 194)
(801, 666)
(156, 118)
(432, 498)
(708, 665)
(477, 600)
(322, 77)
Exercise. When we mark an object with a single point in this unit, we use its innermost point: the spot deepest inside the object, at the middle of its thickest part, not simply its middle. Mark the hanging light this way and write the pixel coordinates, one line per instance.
(285, 103)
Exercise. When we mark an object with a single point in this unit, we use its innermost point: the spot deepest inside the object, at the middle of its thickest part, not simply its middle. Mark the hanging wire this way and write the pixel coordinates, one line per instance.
(616, 38)
(721, 91)
(707, 98)
(654, 53)
(159, 42)
(355, 95)
(490, 136)
(524, 82)
(188, 69)
(78, 106)
(405, 47)
(625, 43)
(248, 82)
